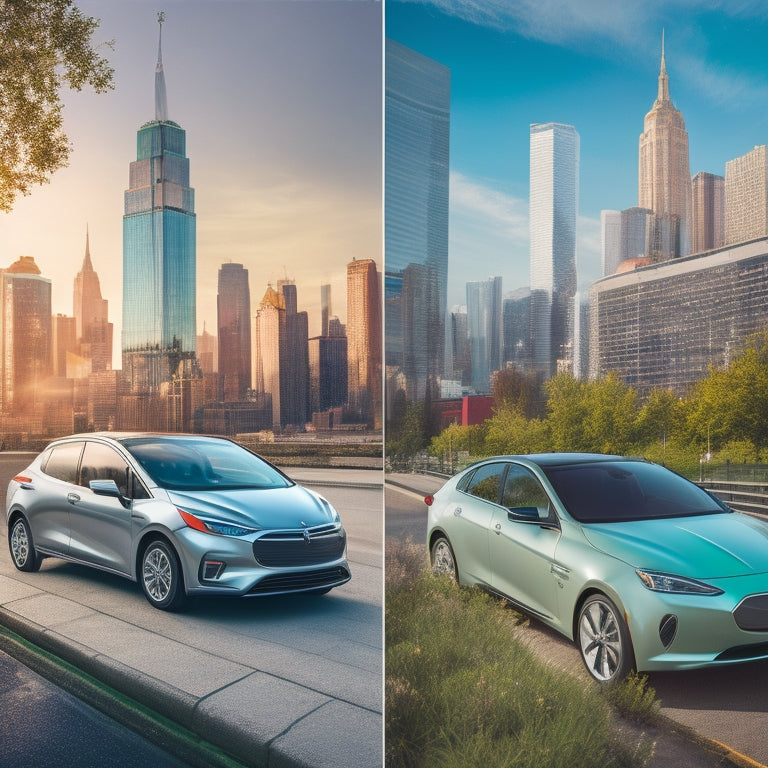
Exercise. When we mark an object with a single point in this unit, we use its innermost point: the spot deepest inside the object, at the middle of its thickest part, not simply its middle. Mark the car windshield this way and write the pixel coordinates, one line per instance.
(203, 464)
(618, 491)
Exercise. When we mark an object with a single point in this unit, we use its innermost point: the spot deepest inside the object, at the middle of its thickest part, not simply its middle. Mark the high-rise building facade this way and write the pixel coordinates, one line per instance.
(610, 254)
(268, 337)
(664, 325)
(25, 336)
(417, 123)
(364, 340)
(707, 212)
(746, 196)
(233, 304)
(664, 176)
(91, 312)
(554, 188)
(484, 325)
(159, 253)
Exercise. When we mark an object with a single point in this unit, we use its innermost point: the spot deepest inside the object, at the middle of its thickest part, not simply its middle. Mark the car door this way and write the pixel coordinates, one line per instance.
(100, 526)
(472, 513)
(48, 512)
(523, 539)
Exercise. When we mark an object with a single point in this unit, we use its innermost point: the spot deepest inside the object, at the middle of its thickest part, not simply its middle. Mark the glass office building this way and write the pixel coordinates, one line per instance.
(159, 254)
(417, 121)
(663, 325)
(554, 191)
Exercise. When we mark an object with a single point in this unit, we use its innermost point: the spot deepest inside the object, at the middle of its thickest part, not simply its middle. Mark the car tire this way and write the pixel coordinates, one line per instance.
(442, 558)
(161, 576)
(22, 548)
(604, 640)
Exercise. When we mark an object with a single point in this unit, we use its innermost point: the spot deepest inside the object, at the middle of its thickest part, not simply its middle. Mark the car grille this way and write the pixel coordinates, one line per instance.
(301, 581)
(291, 549)
(751, 613)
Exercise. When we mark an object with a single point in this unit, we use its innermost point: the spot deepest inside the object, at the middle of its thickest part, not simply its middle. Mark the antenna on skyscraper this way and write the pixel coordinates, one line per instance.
(161, 103)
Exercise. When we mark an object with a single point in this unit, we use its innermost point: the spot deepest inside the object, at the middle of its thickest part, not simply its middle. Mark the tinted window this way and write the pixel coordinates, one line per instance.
(200, 464)
(522, 489)
(628, 490)
(486, 482)
(100, 462)
(62, 461)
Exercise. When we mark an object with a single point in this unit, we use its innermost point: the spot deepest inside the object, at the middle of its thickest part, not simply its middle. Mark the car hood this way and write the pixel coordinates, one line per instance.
(263, 508)
(701, 547)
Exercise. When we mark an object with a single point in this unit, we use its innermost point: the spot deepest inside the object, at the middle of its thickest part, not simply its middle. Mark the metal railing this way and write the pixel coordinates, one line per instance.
(742, 496)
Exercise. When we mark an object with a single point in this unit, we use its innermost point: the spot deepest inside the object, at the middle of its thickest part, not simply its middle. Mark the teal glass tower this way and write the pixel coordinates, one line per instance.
(159, 252)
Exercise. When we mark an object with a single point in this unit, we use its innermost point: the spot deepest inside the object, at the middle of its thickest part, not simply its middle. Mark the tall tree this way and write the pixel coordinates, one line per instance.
(44, 46)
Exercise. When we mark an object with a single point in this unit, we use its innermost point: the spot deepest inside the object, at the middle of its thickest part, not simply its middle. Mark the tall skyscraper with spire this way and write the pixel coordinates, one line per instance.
(93, 330)
(664, 176)
(159, 252)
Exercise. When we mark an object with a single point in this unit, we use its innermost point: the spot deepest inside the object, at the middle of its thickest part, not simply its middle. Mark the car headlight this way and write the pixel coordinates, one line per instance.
(676, 585)
(210, 526)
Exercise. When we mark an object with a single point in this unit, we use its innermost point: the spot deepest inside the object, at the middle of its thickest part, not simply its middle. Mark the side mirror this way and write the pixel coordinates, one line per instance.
(108, 488)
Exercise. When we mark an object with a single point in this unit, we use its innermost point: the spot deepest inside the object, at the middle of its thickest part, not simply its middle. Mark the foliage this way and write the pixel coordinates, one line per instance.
(44, 46)
(635, 699)
(515, 390)
(406, 430)
(726, 414)
(462, 690)
(509, 432)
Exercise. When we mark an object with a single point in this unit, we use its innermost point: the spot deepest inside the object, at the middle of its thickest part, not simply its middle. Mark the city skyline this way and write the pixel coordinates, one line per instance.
(596, 69)
(281, 194)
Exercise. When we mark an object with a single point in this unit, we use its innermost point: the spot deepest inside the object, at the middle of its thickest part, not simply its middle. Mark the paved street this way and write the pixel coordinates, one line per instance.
(726, 705)
(293, 680)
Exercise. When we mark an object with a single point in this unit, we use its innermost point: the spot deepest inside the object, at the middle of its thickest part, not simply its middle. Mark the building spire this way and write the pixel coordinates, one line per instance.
(161, 103)
(87, 260)
(663, 80)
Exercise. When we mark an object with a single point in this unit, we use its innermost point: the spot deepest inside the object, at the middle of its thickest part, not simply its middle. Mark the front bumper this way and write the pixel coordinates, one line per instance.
(228, 565)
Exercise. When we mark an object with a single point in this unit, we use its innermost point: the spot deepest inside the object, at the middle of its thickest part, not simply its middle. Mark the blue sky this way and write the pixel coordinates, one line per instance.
(593, 65)
(281, 104)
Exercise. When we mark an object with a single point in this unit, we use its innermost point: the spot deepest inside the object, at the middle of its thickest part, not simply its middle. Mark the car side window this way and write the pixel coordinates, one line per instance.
(486, 482)
(62, 462)
(523, 489)
(100, 462)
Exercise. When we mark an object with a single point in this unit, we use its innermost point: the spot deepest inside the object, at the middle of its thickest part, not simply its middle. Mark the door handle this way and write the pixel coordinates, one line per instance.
(498, 529)
(73, 498)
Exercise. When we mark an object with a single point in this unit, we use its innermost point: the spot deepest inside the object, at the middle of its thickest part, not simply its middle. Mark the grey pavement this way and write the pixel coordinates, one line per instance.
(236, 699)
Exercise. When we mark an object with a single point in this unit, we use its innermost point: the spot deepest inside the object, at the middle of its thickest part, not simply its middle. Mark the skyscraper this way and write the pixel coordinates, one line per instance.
(610, 225)
(554, 191)
(25, 335)
(281, 355)
(746, 196)
(707, 212)
(159, 252)
(417, 122)
(234, 326)
(484, 324)
(91, 312)
(364, 340)
(664, 176)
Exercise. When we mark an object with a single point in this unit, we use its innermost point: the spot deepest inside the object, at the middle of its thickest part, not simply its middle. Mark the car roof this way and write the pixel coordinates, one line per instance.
(564, 459)
(124, 437)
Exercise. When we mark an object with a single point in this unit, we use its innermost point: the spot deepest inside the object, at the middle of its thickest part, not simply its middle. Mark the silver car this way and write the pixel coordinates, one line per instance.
(181, 514)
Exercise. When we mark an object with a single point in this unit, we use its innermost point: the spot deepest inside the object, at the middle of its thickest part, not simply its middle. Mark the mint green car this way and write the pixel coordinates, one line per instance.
(639, 566)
